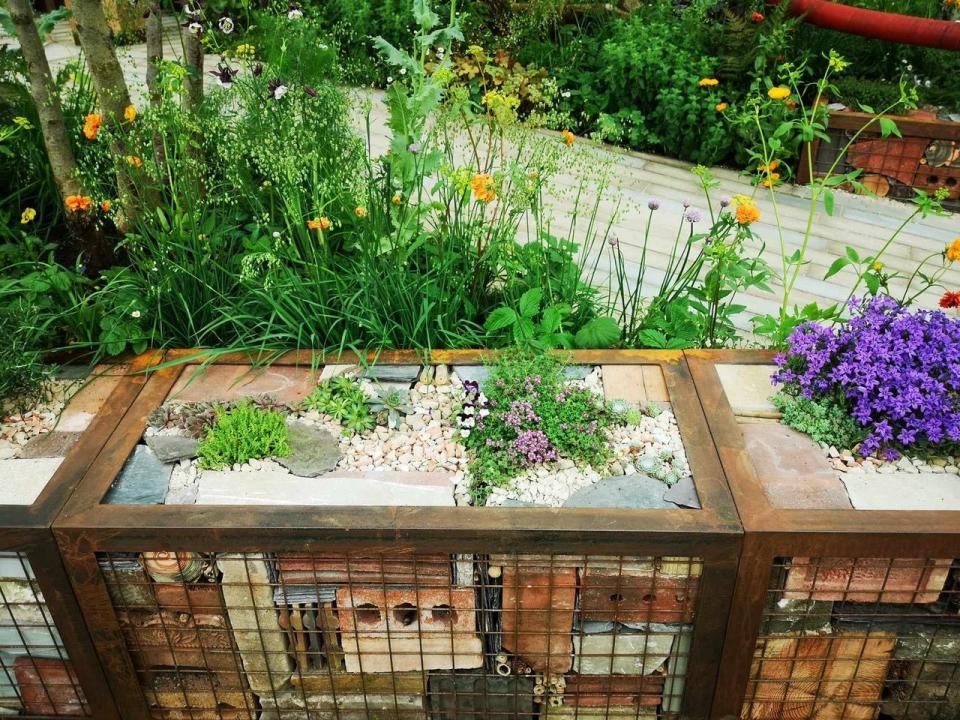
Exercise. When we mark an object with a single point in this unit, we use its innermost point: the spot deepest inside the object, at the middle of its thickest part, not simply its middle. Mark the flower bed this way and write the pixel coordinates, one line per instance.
(388, 592)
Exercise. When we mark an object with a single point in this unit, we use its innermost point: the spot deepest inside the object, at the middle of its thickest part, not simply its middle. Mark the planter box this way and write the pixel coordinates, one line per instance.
(926, 158)
(48, 665)
(847, 595)
(290, 600)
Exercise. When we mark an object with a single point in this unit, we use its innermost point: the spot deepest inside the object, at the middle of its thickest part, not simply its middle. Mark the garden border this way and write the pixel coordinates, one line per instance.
(771, 532)
(86, 527)
(27, 530)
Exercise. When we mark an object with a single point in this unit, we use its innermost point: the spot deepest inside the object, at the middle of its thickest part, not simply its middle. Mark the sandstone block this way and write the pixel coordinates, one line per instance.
(286, 383)
(290, 705)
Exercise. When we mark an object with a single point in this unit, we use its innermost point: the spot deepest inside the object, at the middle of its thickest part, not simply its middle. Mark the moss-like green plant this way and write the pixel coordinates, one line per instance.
(243, 432)
(825, 420)
(342, 399)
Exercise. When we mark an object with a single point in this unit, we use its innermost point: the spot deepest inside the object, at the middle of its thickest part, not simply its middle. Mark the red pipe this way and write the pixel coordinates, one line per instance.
(942, 34)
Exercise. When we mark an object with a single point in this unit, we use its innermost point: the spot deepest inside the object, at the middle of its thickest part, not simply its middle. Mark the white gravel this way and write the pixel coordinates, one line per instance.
(17, 429)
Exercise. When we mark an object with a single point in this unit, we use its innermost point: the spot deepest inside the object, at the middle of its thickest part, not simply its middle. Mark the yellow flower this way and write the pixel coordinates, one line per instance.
(22, 122)
(395, 199)
(27, 216)
(134, 161)
(245, 51)
(720, 107)
(91, 125)
(876, 266)
(78, 203)
(314, 224)
(106, 206)
(769, 167)
(953, 250)
(483, 187)
(360, 211)
(747, 212)
(771, 179)
(130, 113)
(708, 82)
(568, 138)
(778, 93)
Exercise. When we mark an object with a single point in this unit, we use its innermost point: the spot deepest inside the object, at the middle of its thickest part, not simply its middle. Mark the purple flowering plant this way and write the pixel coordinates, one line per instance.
(896, 372)
(527, 414)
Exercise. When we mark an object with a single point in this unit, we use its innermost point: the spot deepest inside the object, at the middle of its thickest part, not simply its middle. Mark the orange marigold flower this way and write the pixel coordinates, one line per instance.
(106, 206)
(360, 211)
(483, 187)
(720, 107)
(134, 161)
(78, 203)
(708, 82)
(771, 179)
(130, 113)
(314, 224)
(778, 92)
(769, 167)
(568, 138)
(91, 125)
(757, 17)
(953, 250)
(325, 223)
(747, 213)
(950, 299)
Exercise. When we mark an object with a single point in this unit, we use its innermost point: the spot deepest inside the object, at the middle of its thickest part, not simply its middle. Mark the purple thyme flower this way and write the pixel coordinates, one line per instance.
(534, 447)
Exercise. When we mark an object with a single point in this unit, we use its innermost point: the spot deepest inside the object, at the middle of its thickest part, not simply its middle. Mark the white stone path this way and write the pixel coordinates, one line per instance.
(860, 222)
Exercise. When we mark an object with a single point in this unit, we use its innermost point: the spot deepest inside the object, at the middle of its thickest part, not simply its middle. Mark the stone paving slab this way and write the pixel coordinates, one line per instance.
(903, 491)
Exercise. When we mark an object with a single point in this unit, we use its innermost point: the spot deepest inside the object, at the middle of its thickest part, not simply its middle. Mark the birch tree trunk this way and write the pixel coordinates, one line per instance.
(154, 58)
(193, 59)
(45, 97)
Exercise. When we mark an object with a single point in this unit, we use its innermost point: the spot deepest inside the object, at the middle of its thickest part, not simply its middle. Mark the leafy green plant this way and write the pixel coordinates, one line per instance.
(391, 404)
(243, 432)
(826, 420)
(343, 399)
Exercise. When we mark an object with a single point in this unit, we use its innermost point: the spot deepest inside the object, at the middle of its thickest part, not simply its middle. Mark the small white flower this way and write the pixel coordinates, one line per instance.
(195, 28)
(389, 79)
(294, 14)
(276, 234)
(225, 24)
(468, 410)
(464, 433)
(484, 412)
(481, 398)
(565, 93)
(403, 71)
(468, 422)
(279, 91)
(135, 314)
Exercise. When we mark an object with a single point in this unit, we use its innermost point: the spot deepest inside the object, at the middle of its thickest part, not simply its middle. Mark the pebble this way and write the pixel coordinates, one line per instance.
(17, 429)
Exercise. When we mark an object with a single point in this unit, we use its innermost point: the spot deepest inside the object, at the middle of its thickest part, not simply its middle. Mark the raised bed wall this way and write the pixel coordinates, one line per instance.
(308, 611)
(841, 611)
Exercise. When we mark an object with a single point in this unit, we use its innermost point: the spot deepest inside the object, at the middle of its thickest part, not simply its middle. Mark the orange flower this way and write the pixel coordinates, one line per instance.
(78, 203)
(720, 107)
(792, 104)
(396, 199)
(568, 138)
(314, 224)
(953, 250)
(769, 167)
(483, 188)
(708, 82)
(130, 113)
(757, 17)
(771, 179)
(91, 125)
(950, 299)
(134, 161)
(747, 213)
(360, 211)
(778, 93)
(325, 223)
(106, 206)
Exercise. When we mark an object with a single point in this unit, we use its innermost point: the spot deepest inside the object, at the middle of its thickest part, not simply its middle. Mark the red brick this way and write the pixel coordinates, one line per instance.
(48, 686)
(166, 639)
(301, 569)
(204, 599)
(537, 617)
(900, 580)
(614, 690)
(611, 595)
(407, 611)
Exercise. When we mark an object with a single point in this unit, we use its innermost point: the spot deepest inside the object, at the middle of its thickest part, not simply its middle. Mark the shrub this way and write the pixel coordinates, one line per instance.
(895, 372)
(243, 432)
(526, 416)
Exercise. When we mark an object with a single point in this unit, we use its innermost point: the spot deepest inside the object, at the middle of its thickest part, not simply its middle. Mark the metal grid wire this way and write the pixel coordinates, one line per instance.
(858, 639)
(359, 636)
(36, 677)
(892, 167)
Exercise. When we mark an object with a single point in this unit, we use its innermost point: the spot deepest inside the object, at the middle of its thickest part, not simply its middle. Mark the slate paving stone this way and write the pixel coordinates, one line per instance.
(142, 481)
(50, 445)
(625, 491)
(313, 451)
(477, 696)
(393, 373)
(172, 448)
(928, 491)
(476, 373)
(683, 493)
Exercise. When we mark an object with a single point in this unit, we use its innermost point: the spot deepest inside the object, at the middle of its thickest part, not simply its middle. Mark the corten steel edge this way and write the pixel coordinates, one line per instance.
(771, 532)
(87, 527)
(26, 530)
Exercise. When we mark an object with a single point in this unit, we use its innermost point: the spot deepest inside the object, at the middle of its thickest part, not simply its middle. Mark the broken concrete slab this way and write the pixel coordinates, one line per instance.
(623, 650)
(270, 487)
(902, 491)
(142, 481)
(792, 468)
(748, 389)
(50, 445)
(784, 616)
(313, 451)
(25, 479)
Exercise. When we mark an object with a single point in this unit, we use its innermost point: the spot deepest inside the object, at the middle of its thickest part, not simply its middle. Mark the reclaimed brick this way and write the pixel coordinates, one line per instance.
(478, 696)
(200, 599)
(897, 580)
(48, 686)
(636, 597)
(197, 696)
(597, 691)
(303, 569)
(167, 639)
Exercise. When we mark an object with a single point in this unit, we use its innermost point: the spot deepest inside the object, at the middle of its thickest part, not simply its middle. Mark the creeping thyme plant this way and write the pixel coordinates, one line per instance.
(525, 415)
(243, 432)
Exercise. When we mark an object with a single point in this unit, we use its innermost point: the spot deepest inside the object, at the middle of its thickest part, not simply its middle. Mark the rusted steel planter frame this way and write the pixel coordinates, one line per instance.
(86, 527)
(771, 532)
(28, 530)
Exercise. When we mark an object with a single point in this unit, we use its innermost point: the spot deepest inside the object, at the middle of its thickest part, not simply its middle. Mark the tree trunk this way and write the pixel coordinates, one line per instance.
(45, 97)
(193, 59)
(154, 58)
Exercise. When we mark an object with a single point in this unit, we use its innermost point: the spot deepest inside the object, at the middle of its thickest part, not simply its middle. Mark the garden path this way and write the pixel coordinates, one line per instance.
(859, 222)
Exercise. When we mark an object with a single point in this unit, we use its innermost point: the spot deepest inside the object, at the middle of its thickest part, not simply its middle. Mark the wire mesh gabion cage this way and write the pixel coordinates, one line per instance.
(294, 635)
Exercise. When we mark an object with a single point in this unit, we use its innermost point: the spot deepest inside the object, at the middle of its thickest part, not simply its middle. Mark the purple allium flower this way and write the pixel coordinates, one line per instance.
(896, 371)
(653, 204)
(414, 148)
(686, 204)
(725, 201)
(613, 240)
(692, 215)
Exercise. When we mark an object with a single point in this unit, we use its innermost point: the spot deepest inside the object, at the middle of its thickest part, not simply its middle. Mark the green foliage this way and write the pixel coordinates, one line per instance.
(23, 375)
(533, 417)
(826, 420)
(342, 399)
(241, 433)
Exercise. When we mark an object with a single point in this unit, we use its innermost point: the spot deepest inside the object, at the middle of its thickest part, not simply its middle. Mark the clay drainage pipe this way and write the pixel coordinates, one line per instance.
(907, 29)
